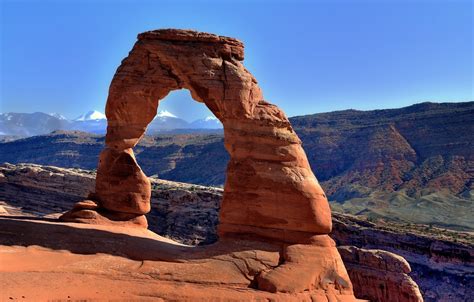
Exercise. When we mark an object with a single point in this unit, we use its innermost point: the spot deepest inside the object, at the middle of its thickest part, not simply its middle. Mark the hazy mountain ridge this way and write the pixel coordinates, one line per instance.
(29, 124)
(413, 164)
(39, 123)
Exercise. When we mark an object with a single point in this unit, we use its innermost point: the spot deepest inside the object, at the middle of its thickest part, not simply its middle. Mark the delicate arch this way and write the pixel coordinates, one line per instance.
(270, 190)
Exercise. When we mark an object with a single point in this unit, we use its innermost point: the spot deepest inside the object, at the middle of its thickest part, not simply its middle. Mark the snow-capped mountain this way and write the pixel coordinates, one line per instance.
(30, 124)
(59, 116)
(210, 122)
(92, 121)
(165, 113)
(165, 120)
(93, 115)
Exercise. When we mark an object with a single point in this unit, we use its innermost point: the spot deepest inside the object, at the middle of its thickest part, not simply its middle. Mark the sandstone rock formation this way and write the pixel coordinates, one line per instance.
(270, 194)
(380, 275)
(441, 261)
(270, 189)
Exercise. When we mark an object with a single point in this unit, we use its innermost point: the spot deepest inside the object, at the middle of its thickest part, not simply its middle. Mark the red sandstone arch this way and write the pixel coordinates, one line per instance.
(270, 190)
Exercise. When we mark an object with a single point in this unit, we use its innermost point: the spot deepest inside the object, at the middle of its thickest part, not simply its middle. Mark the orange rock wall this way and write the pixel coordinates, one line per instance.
(270, 193)
(270, 188)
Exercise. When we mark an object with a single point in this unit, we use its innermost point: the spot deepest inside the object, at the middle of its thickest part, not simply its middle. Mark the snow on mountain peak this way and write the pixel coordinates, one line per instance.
(210, 118)
(57, 115)
(210, 122)
(91, 116)
(7, 116)
(165, 113)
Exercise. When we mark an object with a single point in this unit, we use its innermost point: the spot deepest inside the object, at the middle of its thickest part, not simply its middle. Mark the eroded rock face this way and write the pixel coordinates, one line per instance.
(270, 188)
(380, 275)
(270, 193)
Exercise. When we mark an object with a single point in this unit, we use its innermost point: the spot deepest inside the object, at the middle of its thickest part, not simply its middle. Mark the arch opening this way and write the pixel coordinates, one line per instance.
(270, 190)
(191, 136)
(179, 113)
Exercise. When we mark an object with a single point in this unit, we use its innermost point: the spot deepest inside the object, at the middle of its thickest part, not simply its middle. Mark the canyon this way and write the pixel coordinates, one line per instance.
(441, 261)
(407, 165)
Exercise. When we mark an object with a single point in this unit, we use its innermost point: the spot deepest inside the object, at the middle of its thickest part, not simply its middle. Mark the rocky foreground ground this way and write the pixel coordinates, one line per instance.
(45, 252)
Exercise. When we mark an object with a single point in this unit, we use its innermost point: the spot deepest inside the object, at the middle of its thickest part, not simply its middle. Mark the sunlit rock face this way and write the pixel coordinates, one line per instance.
(270, 193)
(270, 189)
(188, 213)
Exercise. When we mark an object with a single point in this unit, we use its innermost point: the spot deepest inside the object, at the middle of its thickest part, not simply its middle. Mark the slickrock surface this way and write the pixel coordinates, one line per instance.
(189, 214)
(51, 261)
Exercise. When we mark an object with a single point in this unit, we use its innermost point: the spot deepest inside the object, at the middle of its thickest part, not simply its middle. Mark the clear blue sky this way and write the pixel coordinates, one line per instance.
(313, 56)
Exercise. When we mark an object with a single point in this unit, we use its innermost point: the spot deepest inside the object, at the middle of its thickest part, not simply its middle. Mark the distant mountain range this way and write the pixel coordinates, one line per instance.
(29, 124)
(413, 164)
(38, 123)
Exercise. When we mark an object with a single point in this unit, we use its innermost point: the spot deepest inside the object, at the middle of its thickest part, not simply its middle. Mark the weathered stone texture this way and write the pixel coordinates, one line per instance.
(270, 194)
